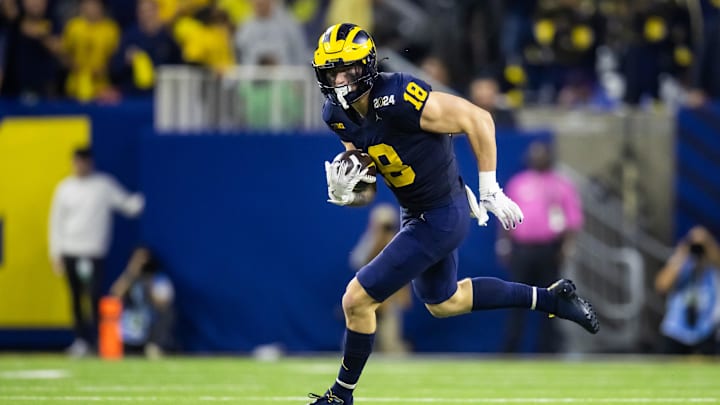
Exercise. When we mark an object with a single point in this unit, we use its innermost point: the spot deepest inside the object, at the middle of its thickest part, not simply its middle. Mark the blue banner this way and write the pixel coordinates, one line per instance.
(259, 257)
(697, 190)
(256, 254)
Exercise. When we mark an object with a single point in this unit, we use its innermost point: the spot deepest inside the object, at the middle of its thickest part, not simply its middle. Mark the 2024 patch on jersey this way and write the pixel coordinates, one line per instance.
(418, 166)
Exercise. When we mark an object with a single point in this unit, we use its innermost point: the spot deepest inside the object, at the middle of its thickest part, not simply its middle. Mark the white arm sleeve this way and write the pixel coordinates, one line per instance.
(130, 205)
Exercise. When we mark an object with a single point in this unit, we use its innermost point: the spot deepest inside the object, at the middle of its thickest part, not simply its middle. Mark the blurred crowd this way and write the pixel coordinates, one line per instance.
(601, 53)
(569, 52)
(107, 49)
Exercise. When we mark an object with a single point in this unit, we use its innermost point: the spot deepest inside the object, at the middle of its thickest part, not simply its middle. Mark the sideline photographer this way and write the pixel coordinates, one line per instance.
(691, 282)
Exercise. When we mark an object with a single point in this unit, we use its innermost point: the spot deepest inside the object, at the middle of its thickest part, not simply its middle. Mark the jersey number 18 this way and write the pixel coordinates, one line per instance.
(415, 95)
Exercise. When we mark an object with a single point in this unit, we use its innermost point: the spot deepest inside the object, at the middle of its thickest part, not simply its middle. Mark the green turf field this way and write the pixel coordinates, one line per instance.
(35, 379)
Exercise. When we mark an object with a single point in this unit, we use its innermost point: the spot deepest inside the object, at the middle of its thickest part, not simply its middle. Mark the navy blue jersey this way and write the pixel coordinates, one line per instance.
(418, 166)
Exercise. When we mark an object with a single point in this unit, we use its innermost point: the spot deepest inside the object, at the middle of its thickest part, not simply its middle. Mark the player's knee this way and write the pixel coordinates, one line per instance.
(442, 310)
(459, 303)
(356, 300)
(349, 301)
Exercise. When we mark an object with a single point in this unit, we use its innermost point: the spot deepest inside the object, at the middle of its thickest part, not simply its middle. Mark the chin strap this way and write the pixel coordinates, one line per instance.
(340, 93)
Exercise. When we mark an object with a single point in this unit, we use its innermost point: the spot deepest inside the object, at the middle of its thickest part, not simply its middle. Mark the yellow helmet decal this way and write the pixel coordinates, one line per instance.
(337, 44)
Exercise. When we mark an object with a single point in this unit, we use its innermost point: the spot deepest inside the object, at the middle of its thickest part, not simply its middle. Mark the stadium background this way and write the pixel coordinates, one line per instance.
(223, 239)
(234, 243)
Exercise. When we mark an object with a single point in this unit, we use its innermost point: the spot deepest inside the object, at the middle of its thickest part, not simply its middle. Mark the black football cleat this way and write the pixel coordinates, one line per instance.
(571, 307)
(327, 398)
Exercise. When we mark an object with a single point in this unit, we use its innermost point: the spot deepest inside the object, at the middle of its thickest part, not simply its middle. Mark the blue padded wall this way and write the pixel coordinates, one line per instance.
(259, 257)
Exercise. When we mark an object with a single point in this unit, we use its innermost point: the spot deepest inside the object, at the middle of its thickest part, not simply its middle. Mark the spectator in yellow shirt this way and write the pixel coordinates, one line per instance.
(168, 10)
(88, 42)
(206, 39)
(219, 30)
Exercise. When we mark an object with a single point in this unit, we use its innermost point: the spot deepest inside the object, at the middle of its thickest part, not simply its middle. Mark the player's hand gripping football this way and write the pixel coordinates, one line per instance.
(342, 178)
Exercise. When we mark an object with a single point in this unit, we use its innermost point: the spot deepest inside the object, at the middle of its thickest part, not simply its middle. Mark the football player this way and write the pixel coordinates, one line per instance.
(406, 128)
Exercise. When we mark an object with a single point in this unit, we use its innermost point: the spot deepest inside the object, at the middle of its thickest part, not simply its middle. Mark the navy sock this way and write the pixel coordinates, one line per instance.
(493, 293)
(358, 347)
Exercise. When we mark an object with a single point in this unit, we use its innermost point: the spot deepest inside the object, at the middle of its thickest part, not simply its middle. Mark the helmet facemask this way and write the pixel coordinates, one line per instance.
(345, 63)
(356, 79)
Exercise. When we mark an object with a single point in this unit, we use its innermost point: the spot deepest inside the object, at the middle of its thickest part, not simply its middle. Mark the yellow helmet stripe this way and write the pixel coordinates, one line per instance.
(333, 34)
(351, 35)
(336, 37)
(336, 44)
(330, 43)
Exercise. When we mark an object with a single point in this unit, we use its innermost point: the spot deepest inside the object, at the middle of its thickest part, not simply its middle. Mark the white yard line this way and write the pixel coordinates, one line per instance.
(369, 400)
(487, 400)
(75, 398)
(34, 374)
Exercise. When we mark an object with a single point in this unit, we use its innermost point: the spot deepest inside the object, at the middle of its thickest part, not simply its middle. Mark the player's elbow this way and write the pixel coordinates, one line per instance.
(484, 116)
(484, 122)
(478, 122)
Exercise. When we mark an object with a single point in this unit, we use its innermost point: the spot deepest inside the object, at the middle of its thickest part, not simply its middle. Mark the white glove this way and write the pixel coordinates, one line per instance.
(503, 207)
(341, 182)
(494, 200)
(476, 210)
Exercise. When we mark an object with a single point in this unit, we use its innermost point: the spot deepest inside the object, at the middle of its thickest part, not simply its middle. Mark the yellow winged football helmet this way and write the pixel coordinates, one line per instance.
(345, 47)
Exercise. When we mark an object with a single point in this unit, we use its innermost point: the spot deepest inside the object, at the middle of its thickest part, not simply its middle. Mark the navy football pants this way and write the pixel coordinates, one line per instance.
(425, 251)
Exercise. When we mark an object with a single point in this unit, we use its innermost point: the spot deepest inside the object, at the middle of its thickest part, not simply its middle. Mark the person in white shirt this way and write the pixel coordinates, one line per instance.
(271, 33)
(80, 230)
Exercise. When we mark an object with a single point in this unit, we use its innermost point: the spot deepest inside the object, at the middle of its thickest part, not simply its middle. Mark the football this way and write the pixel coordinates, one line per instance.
(356, 157)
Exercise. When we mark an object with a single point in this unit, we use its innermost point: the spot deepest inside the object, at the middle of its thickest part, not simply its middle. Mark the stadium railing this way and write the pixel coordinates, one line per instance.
(623, 162)
(611, 264)
(260, 98)
(263, 98)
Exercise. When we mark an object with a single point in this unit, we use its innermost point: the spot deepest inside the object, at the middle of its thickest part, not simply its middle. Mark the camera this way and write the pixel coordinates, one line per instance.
(697, 249)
